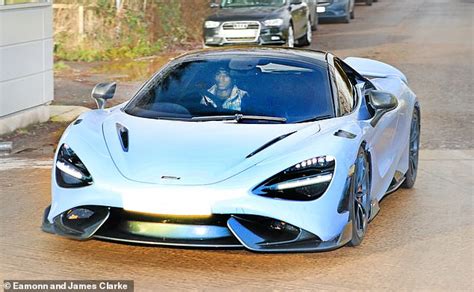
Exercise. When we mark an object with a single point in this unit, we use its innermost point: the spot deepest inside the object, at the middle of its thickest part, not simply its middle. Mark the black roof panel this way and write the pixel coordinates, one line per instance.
(279, 52)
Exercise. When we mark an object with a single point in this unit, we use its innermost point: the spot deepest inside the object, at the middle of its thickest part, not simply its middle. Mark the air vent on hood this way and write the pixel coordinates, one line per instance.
(269, 143)
(122, 132)
(345, 134)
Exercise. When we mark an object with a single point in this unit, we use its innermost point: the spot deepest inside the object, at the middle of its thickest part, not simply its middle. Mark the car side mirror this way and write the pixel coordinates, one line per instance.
(382, 102)
(214, 5)
(102, 92)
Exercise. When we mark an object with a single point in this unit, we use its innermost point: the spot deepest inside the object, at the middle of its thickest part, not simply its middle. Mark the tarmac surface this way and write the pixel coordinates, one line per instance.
(422, 239)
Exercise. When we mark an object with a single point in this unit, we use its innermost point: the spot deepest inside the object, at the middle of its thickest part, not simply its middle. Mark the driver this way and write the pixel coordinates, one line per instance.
(224, 93)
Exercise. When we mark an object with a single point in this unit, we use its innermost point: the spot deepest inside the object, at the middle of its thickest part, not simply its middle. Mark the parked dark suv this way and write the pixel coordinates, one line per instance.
(265, 22)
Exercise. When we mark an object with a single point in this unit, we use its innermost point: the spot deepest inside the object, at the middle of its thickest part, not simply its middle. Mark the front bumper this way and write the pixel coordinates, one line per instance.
(322, 224)
(334, 11)
(266, 36)
(255, 233)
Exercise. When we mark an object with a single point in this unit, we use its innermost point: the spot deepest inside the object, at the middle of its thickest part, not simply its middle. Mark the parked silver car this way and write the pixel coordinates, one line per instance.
(313, 13)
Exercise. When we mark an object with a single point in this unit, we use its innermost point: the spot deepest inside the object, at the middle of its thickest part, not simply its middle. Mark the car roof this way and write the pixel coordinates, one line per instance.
(277, 52)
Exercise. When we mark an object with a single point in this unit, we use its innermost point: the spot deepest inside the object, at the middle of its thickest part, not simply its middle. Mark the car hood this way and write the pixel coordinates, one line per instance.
(247, 13)
(194, 153)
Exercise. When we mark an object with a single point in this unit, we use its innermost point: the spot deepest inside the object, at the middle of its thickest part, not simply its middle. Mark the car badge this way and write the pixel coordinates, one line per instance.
(240, 25)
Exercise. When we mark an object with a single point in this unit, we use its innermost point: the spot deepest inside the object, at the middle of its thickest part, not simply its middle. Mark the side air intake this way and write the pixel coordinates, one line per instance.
(122, 132)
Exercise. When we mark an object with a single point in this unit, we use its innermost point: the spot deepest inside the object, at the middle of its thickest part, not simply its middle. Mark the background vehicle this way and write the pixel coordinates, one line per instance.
(299, 165)
(336, 10)
(367, 2)
(269, 22)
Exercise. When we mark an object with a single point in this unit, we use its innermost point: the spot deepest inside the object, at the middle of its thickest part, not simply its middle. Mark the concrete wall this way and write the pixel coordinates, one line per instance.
(26, 64)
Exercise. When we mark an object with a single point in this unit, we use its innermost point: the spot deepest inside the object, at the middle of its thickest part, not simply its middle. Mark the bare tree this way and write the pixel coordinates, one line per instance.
(119, 17)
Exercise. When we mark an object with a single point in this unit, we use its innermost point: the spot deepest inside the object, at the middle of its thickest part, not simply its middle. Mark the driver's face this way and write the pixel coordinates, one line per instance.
(223, 80)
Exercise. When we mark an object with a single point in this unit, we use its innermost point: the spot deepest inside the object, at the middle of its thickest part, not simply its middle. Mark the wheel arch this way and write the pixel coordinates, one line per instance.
(364, 145)
(343, 205)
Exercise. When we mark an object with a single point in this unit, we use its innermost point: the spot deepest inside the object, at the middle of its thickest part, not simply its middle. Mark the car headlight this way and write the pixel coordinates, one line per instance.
(211, 24)
(305, 181)
(70, 171)
(273, 22)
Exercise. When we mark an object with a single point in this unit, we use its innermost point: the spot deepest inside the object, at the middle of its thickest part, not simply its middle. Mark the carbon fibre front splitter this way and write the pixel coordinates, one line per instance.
(73, 227)
(259, 239)
(256, 233)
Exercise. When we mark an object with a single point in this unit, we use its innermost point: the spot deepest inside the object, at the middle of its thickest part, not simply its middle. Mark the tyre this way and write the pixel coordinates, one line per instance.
(368, 2)
(290, 38)
(308, 37)
(359, 204)
(414, 147)
(352, 14)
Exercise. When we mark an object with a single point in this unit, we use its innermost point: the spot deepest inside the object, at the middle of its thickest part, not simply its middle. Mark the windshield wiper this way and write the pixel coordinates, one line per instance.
(172, 118)
(238, 118)
(315, 119)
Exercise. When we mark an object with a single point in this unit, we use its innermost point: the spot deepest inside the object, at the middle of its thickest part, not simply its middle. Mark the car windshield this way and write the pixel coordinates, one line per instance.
(250, 3)
(251, 89)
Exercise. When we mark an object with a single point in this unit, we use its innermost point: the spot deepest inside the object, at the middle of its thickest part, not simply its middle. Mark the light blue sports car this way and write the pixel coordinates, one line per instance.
(269, 149)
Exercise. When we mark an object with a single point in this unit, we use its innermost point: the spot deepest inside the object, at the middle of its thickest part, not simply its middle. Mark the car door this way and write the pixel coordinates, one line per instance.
(382, 137)
(311, 5)
(383, 143)
(299, 11)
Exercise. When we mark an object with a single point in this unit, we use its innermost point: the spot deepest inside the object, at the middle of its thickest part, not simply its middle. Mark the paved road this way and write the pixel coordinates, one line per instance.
(431, 41)
(422, 238)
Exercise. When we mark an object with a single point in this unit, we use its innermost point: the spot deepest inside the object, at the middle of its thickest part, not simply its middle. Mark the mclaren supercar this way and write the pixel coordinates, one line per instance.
(270, 149)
